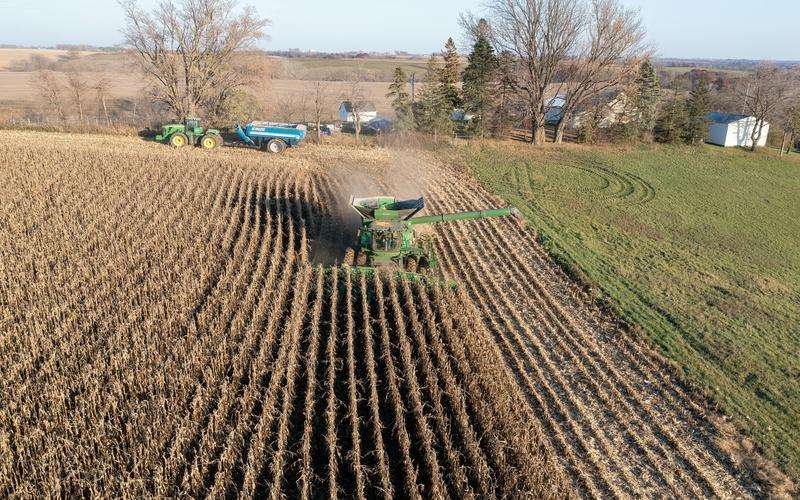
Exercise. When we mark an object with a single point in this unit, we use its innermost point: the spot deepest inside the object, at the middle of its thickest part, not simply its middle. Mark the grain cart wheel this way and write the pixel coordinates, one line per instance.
(276, 146)
(209, 142)
(178, 140)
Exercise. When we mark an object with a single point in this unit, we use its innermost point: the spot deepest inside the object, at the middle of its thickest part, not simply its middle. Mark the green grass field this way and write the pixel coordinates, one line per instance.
(698, 246)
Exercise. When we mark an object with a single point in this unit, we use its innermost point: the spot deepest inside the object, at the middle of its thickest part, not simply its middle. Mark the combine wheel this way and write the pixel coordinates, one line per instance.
(424, 266)
(178, 140)
(210, 141)
(276, 146)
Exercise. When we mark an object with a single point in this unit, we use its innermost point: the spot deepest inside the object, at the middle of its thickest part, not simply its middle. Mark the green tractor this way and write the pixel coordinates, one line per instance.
(189, 133)
(387, 237)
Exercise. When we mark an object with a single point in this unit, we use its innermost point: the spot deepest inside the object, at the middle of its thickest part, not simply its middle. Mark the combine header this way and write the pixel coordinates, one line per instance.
(387, 237)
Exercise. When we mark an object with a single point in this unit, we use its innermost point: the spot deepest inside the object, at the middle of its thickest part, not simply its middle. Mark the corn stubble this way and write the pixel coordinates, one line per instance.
(163, 332)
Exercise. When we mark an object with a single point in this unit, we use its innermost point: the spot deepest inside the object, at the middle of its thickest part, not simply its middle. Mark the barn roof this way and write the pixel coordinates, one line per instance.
(363, 106)
(557, 102)
(725, 117)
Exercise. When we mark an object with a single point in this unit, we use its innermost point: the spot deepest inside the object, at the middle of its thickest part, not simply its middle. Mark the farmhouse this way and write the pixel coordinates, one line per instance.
(735, 130)
(366, 112)
(554, 109)
(608, 109)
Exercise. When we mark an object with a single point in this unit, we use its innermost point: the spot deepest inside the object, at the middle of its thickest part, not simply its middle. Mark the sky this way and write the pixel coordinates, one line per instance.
(714, 29)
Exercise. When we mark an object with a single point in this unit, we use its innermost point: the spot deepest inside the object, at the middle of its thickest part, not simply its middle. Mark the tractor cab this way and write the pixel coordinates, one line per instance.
(193, 126)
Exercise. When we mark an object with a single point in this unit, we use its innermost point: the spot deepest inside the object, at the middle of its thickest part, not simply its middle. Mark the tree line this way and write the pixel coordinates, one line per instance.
(593, 56)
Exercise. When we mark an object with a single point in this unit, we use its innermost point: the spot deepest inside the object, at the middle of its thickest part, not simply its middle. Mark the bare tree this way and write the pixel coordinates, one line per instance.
(188, 47)
(609, 52)
(354, 95)
(541, 35)
(51, 93)
(77, 86)
(763, 95)
(101, 89)
(321, 98)
(791, 126)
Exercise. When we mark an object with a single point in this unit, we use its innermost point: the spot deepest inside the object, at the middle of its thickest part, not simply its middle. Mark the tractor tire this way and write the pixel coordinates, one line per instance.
(276, 146)
(361, 259)
(178, 140)
(209, 141)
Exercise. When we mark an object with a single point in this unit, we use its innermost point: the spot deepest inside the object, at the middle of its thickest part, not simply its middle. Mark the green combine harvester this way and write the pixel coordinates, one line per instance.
(387, 237)
(190, 133)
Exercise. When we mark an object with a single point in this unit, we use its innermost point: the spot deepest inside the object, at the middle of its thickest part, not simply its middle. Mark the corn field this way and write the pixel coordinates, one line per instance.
(167, 329)
(164, 332)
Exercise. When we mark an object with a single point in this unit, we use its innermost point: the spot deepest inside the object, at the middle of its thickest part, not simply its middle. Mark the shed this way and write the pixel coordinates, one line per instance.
(366, 112)
(735, 130)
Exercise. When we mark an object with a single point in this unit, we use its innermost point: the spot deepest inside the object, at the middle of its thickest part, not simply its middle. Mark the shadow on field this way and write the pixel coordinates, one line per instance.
(337, 233)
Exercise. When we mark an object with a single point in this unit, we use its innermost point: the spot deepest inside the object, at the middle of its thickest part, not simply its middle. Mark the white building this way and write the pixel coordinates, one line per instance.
(366, 112)
(734, 130)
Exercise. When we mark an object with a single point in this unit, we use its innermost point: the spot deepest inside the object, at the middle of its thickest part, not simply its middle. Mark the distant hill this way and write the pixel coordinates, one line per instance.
(728, 64)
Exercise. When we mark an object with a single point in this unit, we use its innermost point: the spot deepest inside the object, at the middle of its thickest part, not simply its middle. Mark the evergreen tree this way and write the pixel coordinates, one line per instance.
(449, 74)
(648, 95)
(503, 109)
(672, 121)
(401, 101)
(478, 81)
(432, 111)
(697, 109)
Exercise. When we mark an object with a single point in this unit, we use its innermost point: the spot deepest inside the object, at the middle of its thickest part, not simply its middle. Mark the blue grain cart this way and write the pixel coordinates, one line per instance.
(272, 137)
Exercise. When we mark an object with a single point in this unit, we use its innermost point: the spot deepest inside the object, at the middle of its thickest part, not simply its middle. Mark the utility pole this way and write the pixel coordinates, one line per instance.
(413, 81)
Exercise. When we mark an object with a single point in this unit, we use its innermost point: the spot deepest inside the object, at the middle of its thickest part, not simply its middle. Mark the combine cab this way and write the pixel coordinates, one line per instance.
(189, 133)
(387, 237)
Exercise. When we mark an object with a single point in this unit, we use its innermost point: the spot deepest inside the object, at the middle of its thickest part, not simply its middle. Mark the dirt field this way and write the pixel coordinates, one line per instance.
(7, 56)
(18, 93)
(164, 330)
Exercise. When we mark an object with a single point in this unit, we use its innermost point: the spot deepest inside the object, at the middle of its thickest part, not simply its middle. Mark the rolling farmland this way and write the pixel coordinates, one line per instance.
(171, 324)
